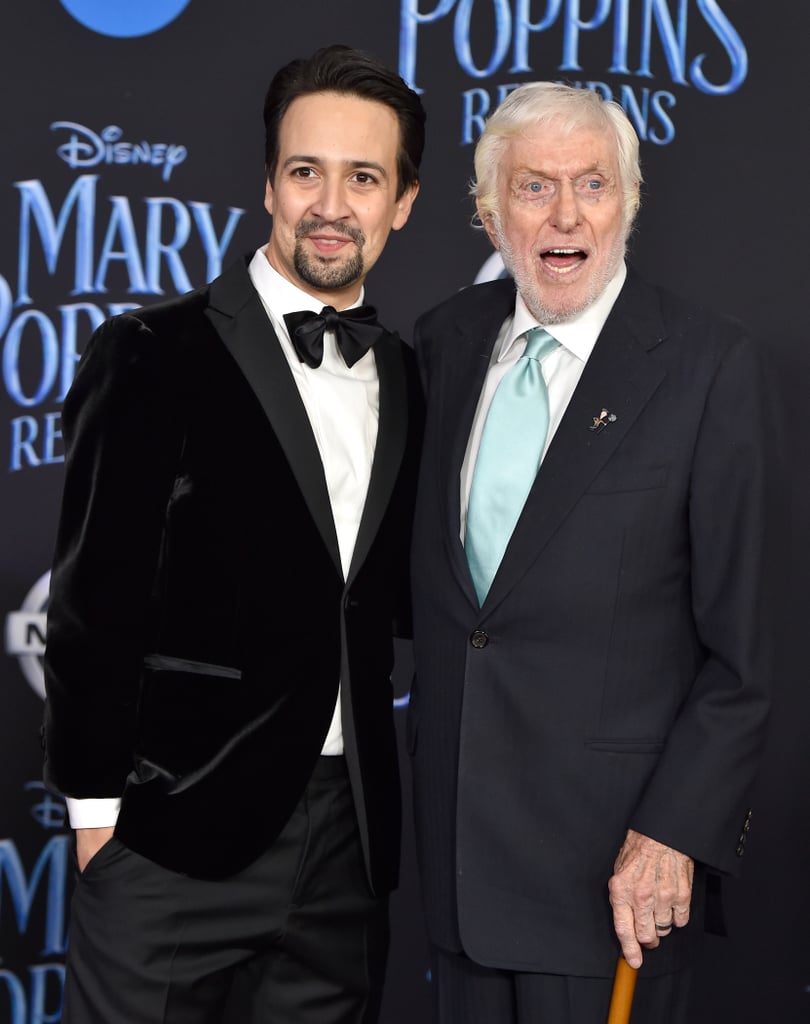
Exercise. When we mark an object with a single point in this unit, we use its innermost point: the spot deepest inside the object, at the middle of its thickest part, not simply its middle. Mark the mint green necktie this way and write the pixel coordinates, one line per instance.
(511, 447)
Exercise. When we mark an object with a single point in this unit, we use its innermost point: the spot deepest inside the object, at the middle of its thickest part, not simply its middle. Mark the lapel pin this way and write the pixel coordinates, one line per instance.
(602, 420)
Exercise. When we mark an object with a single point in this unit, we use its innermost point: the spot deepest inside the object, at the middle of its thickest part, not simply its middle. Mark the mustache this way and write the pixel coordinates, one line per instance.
(311, 227)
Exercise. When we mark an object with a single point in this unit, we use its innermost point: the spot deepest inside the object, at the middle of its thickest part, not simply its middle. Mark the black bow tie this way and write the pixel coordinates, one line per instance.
(356, 331)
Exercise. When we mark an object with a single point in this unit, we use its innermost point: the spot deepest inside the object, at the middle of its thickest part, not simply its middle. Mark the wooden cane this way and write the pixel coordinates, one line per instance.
(621, 999)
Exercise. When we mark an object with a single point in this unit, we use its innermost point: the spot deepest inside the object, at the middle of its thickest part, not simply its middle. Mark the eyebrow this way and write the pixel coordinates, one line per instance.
(592, 169)
(349, 165)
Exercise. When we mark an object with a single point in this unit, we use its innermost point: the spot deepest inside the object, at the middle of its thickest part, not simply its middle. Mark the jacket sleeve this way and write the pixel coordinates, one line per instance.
(698, 800)
(122, 439)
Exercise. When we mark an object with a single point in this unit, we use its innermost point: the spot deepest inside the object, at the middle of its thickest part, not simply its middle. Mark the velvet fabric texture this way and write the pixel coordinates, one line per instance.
(199, 622)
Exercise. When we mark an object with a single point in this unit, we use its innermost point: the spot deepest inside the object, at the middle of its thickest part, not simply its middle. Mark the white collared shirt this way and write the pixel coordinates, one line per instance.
(561, 368)
(342, 403)
(343, 406)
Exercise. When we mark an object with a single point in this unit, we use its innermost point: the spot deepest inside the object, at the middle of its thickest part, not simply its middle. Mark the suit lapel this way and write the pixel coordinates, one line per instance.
(392, 431)
(620, 377)
(239, 318)
(465, 367)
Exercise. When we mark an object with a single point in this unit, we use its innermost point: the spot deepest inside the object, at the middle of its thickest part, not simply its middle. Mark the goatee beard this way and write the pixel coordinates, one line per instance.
(324, 272)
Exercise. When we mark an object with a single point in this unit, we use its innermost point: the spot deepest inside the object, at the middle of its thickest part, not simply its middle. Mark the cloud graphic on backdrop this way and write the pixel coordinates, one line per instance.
(124, 18)
(492, 270)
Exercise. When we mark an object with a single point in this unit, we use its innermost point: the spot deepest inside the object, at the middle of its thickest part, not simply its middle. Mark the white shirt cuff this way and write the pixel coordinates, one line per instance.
(93, 812)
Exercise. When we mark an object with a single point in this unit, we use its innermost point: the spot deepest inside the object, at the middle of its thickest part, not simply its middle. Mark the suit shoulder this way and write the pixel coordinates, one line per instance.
(468, 303)
(693, 327)
(696, 316)
(155, 330)
(681, 313)
(166, 318)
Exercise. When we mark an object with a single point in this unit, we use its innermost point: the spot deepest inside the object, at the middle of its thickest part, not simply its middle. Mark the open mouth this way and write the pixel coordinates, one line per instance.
(562, 261)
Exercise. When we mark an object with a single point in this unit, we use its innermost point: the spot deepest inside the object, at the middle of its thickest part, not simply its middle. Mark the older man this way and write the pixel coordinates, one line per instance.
(589, 698)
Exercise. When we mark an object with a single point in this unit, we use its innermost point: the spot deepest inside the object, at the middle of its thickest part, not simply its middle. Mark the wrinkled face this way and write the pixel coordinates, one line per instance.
(560, 226)
(333, 197)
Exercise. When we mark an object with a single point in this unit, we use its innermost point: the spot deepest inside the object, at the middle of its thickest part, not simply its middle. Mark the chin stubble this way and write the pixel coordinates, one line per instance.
(327, 272)
(527, 284)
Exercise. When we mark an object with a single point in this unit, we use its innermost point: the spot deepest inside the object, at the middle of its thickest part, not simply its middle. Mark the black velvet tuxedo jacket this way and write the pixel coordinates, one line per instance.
(613, 677)
(199, 622)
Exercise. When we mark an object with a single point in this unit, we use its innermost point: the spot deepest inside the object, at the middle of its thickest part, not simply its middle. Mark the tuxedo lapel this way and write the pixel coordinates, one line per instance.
(392, 430)
(239, 318)
(619, 377)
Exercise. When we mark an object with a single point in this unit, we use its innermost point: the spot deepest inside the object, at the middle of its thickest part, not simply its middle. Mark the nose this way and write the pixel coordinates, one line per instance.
(331, 201)
(565, 211)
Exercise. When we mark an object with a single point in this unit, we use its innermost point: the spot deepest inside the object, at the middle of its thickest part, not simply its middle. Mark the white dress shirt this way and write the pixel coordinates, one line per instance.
(561, 368)
(343, 405)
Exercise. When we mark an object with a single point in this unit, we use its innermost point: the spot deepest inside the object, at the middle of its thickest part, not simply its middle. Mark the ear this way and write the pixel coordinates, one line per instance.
(268, 196)
(488, 222)
(405, 205)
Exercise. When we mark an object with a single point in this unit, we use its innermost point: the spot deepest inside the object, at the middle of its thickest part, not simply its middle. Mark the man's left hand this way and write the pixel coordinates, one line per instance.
(650, 892)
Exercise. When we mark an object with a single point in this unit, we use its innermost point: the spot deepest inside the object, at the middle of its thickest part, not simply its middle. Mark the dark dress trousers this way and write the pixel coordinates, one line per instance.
(199, 620)
(613, 677)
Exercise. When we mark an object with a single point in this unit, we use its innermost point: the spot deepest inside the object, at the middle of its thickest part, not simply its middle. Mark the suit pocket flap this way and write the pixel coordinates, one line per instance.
(166, 663)
(639, 746)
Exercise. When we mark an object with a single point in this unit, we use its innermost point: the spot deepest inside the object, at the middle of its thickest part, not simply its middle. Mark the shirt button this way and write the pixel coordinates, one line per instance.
(479, 639)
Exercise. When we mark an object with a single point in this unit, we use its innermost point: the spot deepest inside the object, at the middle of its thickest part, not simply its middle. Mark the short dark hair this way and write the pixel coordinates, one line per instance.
(342, 69)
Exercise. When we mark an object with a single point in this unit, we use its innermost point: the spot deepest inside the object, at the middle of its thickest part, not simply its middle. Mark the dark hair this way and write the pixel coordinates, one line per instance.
(344, 70)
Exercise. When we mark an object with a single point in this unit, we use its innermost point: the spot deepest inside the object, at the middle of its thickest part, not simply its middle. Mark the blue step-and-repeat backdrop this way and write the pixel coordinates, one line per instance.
(131, 167)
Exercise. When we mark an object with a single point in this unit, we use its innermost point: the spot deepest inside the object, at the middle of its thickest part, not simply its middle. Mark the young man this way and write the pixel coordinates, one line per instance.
(590, 690)
(229, 565)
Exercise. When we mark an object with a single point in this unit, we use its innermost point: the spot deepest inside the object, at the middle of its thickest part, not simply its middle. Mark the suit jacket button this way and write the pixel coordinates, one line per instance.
(740, 850)
(479, 639)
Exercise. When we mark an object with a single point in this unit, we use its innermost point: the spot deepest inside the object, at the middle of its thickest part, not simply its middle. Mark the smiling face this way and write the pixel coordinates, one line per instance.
(333, 197)
(560, 225)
